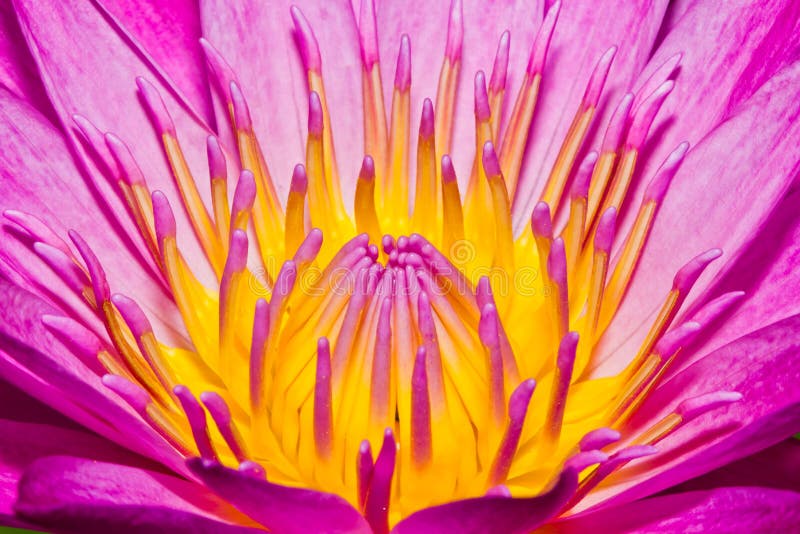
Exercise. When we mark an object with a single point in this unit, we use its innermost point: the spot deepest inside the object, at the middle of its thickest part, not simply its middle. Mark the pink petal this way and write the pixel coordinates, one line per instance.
(768, 271)
(763, 366)
(92, 496)
(280, 508)
(735, 177)
(90, 67)
(737, 509)
(492, 513)
(729, 50)
(257, 40)
(38, 176)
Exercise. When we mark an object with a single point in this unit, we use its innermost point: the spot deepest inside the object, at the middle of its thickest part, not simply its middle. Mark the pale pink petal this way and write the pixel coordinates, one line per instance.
(720, 198)
(729, 50)
(90, 67)
(38, 176)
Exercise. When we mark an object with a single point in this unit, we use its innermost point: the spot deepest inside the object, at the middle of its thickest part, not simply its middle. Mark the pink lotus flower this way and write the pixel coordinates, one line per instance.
(517, 316)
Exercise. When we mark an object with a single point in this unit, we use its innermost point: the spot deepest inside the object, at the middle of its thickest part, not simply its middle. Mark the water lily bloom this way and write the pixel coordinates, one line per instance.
(419, 267)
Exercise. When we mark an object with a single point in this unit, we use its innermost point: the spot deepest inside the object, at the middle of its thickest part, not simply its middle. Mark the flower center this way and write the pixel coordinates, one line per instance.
(438, 354)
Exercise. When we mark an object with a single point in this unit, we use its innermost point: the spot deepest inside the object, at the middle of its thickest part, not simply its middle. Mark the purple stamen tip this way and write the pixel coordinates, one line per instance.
(62, 264)
(126, 164)
(482, 110)
(597, 439)
(657, 188)
(617, 124)
(387, 242)
(241, 112)
(455, 32)
(519, 400)
(542, 41)
(500, 68)
(483, 292)
(566, 351)
(299, 179)
(557, 263)
(402, 74)
(368, 34)
(606, 228)
(598, 80)
(697, 406)
(646, 113)
(253, 469)
(541, 223)
(245, 193)
(217, 167)
(448, 171)
(676, 338)
(426, 123)
(315, 122)
(689, 273)
(585, 459)
(634, 452)
(132, 314)
(583, 178)
(490, 163)
(367, 169)
(500, 490)
(221, 70)
(163, 216)
(155, 105)
(306, 41)
(487, 327)
(133, 394)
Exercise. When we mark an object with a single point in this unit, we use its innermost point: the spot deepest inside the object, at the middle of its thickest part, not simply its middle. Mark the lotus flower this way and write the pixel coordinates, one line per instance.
(266, 268)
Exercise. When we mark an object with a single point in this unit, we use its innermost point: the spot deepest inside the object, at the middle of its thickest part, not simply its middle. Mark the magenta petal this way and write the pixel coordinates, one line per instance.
(17, 69)
(280, 508)
(170, 33)
(257, 40)
(764, 367)
(93, 496)
(777, 467)
(25, 442)
(737, 509)
(492, 513)
(735, 177)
